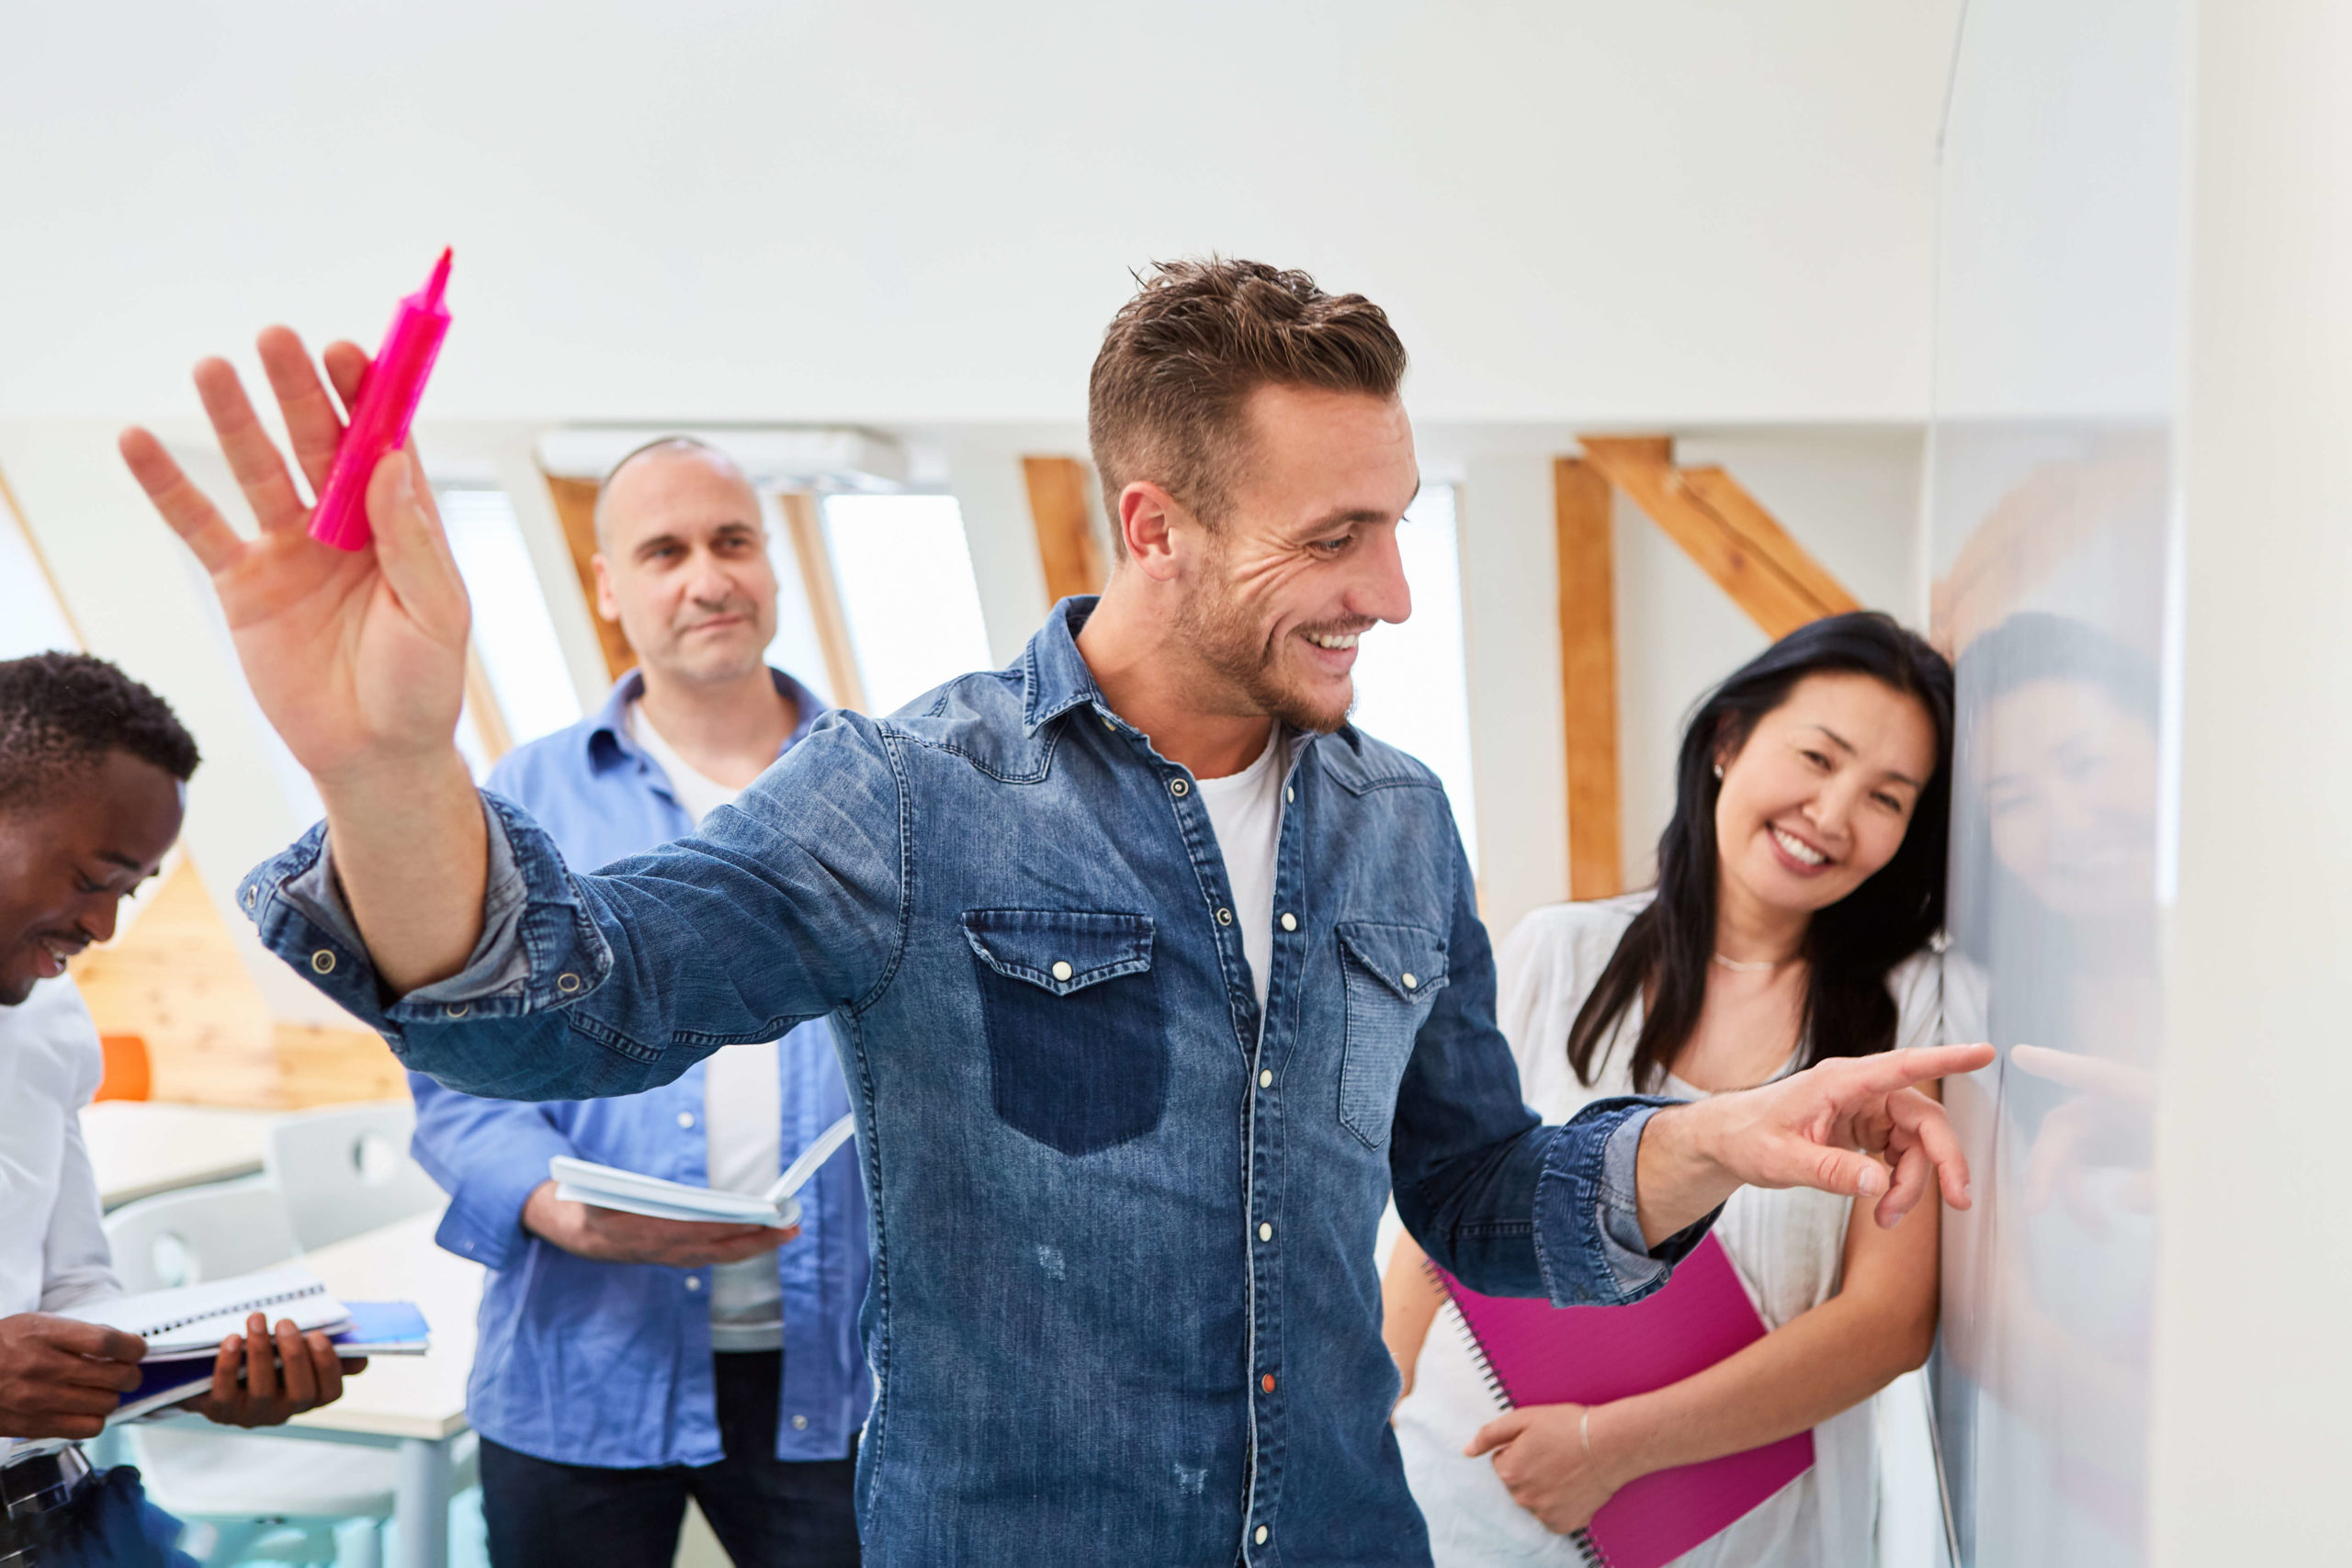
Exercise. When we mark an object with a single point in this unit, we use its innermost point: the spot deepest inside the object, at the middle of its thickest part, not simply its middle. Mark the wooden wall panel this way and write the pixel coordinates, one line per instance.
(575, 505)
(1065, 542)
(176, 980)
(1589, 677)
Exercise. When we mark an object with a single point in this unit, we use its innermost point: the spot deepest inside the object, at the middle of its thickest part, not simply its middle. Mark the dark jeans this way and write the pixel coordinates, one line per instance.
(766, 1512)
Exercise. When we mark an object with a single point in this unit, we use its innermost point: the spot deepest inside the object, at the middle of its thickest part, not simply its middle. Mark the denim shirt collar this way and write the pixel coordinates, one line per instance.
(608, 744)
(1054, 675)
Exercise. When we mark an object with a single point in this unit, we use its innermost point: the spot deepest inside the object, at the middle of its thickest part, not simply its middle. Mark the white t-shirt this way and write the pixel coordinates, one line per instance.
(1787, 1247)
(742, 1108)
(1246, 809)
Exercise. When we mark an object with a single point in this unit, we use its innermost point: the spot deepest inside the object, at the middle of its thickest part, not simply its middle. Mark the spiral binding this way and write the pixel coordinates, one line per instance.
(257, 1304)
(1587, 1549)
(1477, 1351)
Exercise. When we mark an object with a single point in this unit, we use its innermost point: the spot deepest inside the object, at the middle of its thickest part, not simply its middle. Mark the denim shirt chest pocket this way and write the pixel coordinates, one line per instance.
(1392, 975)
(1078, 1045)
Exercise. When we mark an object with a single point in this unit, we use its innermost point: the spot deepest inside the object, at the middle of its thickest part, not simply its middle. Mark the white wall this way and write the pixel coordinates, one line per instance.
(2253, 1367)
(1677, 211)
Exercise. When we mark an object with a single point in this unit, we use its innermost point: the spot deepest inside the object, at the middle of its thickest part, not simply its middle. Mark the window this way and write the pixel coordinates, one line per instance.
(31, 620)
(1412, 687)
(514, 634)
(908, 594)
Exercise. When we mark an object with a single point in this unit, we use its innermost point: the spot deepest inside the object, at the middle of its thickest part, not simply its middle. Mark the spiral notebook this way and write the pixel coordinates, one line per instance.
(183, 1327)
(1534, 1353)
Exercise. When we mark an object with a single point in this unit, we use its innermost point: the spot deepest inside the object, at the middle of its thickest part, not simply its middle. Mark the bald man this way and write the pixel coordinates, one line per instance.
(630, 1363)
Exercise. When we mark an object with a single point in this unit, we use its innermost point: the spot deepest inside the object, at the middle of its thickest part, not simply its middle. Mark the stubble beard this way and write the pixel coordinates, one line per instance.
(1224, 637)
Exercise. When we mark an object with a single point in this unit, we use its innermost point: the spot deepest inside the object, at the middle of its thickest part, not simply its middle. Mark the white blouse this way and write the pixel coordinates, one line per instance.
(1788, 1247)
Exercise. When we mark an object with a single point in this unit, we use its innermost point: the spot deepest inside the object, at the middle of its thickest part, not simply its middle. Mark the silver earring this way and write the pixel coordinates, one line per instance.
(1719, 770)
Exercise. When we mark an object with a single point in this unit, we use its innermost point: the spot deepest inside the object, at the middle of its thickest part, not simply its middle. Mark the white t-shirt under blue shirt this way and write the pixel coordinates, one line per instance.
(743, 1107)
(1246, 809)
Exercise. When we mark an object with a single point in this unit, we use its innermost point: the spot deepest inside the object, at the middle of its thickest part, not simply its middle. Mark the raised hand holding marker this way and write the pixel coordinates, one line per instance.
(388, 400)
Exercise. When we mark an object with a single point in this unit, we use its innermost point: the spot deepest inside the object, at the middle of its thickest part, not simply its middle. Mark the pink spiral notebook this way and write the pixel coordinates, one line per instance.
(1535, 1353)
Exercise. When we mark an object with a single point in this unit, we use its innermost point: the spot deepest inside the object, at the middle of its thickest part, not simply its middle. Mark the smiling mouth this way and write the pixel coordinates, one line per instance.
(59, 950)
(1338, 642)
(1797, 850)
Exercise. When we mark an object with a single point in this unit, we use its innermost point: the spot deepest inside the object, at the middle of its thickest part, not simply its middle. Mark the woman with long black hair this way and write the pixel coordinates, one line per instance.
(1800, 882)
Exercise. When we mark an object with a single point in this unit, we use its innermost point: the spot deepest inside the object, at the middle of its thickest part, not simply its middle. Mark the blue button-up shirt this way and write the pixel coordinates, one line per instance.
(1123, 1306)
(609, 1363)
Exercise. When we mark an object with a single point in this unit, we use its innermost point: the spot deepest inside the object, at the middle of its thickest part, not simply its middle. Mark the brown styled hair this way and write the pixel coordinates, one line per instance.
(1183, 356)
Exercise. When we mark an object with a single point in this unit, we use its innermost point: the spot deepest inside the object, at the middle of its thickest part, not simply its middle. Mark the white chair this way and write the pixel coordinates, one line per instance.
(275, 1499)
(346, 1169)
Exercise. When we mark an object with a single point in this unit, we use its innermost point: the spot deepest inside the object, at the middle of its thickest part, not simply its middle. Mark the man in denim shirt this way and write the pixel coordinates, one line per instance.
(1124, 1307)
(629, 1362)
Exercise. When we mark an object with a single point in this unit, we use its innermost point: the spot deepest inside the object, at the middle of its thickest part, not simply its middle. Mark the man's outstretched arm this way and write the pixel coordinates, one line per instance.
(357, 658)
(444, 919)
(1599, 1211)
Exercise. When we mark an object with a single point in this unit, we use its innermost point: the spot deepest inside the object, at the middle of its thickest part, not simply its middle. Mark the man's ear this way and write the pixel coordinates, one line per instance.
(1149, 520)
(606, 604)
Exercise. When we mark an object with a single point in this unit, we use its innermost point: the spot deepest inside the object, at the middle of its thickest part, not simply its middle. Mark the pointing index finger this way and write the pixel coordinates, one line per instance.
(1891, 1070)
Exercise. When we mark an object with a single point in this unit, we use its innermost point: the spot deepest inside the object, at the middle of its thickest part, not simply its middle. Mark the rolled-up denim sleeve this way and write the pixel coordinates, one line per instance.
(785, 906)
(1588, 1211)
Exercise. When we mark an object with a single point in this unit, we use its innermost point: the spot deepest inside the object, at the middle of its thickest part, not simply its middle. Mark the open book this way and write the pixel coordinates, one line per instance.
(609, 1187)
(183, 1327)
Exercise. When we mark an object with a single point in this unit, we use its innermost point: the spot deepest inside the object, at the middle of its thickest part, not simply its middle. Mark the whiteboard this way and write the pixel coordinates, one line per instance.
(2051, 533)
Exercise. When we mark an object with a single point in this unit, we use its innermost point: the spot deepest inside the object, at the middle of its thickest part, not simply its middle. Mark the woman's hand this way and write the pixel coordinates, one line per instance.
(1543, 1456)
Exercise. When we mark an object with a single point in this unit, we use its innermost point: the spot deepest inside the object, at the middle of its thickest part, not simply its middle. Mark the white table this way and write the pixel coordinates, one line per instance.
(414, 1404)
(140, 1147)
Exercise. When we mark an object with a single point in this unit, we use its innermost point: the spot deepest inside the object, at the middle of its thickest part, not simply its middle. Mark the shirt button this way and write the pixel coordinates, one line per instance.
(1410, 981)
(1290, 922)
(693, 1283)
(567, 983)
(458, 1009)
(686, 1118)
(1267, 1382)
(322, 962)
(1061, 969)
(1261, 1537)
(1286, 795)
(1266, 1078)
(800, 1423)
(1225, 917)
(1179, 788)
(1265, 1232)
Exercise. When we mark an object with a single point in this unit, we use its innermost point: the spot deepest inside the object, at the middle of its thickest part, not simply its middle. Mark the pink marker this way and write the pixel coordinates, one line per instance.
(388, 400)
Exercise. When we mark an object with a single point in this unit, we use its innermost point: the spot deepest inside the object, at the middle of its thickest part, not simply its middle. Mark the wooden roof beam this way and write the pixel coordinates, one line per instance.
(1724, 530)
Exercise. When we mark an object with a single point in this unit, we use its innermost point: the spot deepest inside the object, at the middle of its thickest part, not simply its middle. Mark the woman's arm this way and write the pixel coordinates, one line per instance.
(1409, 1304)
(1880, 1324)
